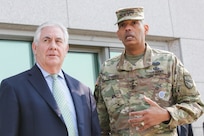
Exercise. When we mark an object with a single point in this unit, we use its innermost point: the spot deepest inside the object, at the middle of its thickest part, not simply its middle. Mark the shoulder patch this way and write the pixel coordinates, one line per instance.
(188, 81)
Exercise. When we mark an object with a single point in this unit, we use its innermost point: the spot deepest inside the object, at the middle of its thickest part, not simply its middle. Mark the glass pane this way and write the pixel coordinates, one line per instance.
(15, 57)
(82, 66)
(114, 53)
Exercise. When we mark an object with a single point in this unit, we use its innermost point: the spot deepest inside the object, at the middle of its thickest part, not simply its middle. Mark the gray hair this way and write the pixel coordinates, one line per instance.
(39, 29)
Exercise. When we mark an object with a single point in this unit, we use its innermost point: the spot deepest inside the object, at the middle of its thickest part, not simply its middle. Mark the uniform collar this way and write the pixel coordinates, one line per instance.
(144, 62)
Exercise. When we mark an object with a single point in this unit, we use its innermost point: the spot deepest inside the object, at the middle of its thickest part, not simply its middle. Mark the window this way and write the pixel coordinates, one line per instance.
(115, 52)
(82, 66)
(15, 57)
(163, 45)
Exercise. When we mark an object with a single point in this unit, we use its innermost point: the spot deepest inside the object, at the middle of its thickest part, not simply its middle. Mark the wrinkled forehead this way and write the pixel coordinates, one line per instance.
(52, 32)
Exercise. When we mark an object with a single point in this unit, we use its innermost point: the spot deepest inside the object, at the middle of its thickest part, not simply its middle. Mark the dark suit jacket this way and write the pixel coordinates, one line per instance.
(27, 107)
(185, 130)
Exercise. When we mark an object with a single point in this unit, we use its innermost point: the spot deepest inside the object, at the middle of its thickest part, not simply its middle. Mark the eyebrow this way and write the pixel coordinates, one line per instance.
(48, 37)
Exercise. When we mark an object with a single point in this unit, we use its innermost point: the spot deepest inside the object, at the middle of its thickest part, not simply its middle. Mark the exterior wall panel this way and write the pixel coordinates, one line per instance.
(33, 12)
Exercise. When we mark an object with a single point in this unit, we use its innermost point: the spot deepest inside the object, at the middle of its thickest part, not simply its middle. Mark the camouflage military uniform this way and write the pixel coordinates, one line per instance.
(160, 76)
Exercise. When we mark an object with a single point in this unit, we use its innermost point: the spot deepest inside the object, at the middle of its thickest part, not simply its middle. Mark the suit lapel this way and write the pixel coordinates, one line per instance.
(74, 87)
(39, 83)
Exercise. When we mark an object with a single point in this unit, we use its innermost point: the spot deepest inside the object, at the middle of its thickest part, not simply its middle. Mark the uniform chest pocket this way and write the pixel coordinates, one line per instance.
(114, 97)
(159, 86)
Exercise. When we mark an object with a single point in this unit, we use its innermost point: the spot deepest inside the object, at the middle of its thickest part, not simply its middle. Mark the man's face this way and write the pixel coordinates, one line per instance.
(51, 49)
(132, 32)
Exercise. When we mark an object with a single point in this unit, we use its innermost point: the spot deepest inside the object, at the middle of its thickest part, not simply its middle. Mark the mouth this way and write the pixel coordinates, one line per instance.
(129, 36)
(52, 55)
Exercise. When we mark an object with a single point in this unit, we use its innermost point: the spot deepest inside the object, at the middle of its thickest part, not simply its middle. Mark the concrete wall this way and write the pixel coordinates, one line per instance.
(181, 19)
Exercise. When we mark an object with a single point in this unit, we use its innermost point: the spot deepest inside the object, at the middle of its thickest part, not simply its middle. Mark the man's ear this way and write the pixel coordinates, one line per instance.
(67, 49)
(34, 48)
(118, 34)
(146, 27)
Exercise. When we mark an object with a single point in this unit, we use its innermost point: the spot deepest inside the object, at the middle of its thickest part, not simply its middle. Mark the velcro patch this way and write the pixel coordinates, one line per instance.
(188, 81)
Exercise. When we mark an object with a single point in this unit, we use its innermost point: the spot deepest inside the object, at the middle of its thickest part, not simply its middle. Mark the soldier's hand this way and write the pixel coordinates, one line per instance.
(147, 118)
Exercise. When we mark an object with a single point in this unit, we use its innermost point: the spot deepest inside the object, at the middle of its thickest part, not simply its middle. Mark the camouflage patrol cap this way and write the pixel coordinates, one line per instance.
(130, 14)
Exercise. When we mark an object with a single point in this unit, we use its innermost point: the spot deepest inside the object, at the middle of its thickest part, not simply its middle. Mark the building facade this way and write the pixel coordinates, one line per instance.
(174, 25)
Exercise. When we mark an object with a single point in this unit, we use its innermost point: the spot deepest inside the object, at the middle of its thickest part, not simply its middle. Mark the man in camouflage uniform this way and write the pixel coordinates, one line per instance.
(144, 91)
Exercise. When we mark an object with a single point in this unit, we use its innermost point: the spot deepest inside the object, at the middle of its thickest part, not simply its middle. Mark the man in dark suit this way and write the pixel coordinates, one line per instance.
(185, 130)
(27, 104)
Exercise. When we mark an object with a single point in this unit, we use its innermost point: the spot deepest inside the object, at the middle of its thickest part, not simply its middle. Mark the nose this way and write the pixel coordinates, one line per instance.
(128, 28)
(53, 45)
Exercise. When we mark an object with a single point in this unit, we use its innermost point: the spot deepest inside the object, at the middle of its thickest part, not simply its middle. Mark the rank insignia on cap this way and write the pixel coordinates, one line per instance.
(129, 14)
(188, 81)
